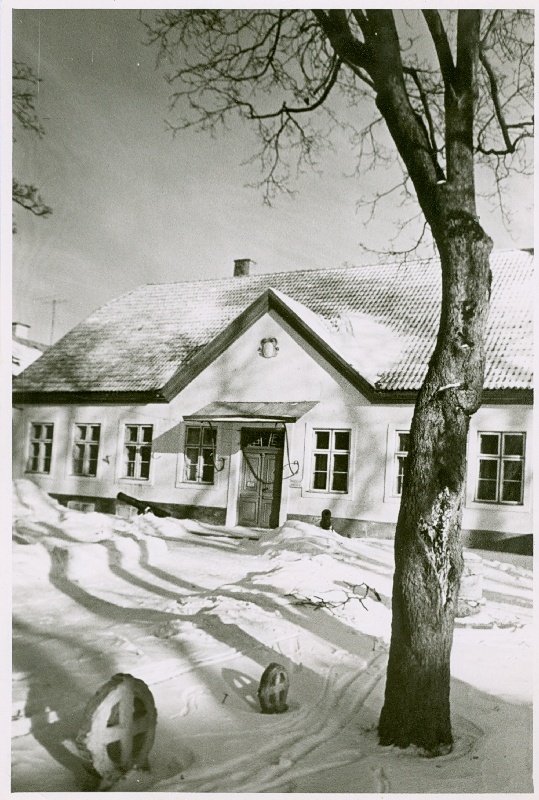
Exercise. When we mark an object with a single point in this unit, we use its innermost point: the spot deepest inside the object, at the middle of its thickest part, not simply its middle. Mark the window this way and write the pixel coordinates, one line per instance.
(331, 460)
(138, 451)
(40, 447)
(86, 450)
(199, 466)
(402, 445)
(501, 468)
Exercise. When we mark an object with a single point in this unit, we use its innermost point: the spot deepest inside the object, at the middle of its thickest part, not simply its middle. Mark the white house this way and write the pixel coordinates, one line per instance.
(259, 398)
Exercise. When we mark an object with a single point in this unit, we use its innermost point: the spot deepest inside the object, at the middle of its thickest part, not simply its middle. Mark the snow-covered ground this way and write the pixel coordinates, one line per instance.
(199, 612)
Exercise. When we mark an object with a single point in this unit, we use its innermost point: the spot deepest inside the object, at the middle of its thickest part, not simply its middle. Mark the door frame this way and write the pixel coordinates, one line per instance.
(274, 487)
(234, 477)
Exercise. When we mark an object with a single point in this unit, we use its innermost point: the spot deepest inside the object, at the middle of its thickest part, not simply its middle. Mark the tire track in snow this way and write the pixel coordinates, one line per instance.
(292, 737)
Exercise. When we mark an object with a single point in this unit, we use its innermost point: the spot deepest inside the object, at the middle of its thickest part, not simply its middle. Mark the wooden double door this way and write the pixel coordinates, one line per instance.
(261, 478)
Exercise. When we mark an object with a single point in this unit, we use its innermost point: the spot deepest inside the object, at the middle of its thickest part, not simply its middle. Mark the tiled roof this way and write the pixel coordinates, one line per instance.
(138, 341)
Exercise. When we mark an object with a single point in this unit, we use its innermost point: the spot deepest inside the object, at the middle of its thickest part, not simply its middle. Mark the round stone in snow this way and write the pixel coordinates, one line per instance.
(118, 728)
(273, 689)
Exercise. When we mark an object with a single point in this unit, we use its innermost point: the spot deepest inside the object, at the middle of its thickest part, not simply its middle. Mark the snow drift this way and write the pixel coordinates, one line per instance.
(199, 612)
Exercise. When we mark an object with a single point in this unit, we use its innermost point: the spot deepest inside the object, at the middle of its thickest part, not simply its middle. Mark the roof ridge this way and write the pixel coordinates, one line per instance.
(389, 262)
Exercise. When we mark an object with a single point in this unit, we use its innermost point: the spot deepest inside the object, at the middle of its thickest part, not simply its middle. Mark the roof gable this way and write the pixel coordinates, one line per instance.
(304, 321)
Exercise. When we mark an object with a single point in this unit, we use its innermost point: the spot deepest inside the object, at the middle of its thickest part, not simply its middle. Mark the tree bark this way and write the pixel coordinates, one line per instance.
(428, 553)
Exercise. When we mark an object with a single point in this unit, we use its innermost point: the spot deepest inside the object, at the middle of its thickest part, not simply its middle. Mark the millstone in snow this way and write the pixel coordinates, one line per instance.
(118, 728)
(273, 689)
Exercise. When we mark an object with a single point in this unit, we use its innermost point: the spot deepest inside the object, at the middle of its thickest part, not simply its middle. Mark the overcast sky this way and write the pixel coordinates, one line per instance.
(131, 205)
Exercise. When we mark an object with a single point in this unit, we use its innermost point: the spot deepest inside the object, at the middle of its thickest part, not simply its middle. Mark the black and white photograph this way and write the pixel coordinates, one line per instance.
(270, 274)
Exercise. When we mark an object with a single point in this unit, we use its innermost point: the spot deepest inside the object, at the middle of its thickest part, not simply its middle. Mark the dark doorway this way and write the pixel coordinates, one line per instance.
(261, 477)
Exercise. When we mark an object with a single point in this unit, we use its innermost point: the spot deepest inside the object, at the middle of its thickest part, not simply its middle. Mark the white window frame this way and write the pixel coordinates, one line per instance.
(136, 478)
(86, 443)
(330, 452)
(198, 481)
(42, 442)
(501, 459)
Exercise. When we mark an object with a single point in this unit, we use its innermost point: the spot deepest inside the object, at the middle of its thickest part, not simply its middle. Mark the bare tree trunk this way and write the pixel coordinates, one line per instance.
(428, 557)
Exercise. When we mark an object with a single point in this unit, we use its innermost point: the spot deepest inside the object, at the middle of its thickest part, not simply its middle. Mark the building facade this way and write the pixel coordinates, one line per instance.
(260, 398)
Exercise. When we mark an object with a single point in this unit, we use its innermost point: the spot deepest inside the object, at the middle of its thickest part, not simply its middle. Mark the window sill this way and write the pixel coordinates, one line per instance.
(324, 492)
(39, 474)
(486, 505)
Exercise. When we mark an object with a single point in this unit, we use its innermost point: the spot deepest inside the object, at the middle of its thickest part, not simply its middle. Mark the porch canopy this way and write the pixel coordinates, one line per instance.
(230, 411)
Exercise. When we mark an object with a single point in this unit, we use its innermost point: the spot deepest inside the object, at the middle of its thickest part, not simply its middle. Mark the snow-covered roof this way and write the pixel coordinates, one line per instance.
(380, 319)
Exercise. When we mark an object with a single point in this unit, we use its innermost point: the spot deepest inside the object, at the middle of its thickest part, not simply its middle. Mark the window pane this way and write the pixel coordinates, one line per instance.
(276, 439)
(512, 493)
(401, 462)
(320, 462)
(193, 435)
(48, 431)
(207, 455)
(147, 433)
(513, 444)
(320, 480)
(322, 440)
(93, 451)
(191, 461)
(33, 465)
(340, 463)
(342, 440)
(36, 431)
(320, 471)
(81, 432)
(512, 470)
(95, 433)
(191, 454)
(145, 454)
(190, 470)
(490, 444)
(131, 433)
(403, 443)
(130, 466)
(486, 490)
(78, 459)
(208, 436)
(512, 481)
(340, 482)
(488, 468)
(207, 473)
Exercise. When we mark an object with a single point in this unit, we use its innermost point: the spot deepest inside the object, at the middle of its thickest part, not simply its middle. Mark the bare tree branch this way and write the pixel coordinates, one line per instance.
(441, 44)
(25, 85)
(509, 145)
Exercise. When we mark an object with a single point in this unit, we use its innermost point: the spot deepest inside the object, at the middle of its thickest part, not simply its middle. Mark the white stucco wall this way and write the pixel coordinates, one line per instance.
(240, 374)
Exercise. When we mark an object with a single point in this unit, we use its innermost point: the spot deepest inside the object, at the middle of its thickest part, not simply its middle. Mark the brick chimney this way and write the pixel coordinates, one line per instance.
(242, 267)
(20, 329)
